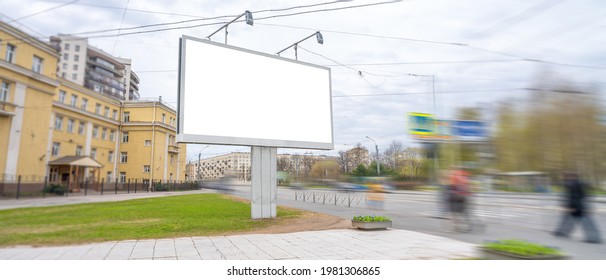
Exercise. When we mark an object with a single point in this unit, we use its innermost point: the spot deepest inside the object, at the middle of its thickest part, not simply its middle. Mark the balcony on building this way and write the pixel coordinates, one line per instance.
(133, 93)
(173, 149)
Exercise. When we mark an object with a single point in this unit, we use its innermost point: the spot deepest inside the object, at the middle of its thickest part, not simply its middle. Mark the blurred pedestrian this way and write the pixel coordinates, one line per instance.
(443, 195)
(375, 195)
(458, 199)
(576, 210)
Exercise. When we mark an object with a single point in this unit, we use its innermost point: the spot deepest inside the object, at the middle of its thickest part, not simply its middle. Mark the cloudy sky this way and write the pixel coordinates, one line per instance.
(387, 58)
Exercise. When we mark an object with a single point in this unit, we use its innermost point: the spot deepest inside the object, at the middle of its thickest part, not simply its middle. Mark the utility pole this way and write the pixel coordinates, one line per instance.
(198, 167)
(377, 149)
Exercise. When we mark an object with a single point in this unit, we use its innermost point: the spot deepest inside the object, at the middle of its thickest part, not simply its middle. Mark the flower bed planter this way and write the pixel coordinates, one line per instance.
(489, 254)
(371, 225)
(512, 249)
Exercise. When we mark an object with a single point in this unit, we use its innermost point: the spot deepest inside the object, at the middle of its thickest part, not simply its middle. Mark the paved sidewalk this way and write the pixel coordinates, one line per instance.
(341, 244)
(344, 244)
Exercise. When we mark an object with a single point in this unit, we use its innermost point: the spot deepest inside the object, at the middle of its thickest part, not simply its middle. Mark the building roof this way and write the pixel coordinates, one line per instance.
(76, 161)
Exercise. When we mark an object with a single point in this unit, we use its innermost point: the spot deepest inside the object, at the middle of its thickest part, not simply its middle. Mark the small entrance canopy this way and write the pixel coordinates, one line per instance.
(77, 166)
(83, 161)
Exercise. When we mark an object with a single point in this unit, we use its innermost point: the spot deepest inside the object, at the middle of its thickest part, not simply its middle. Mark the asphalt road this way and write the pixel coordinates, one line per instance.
(503, 215)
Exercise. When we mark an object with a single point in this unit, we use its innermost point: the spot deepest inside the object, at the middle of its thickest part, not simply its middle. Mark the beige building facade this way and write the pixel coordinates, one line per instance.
(58, 128)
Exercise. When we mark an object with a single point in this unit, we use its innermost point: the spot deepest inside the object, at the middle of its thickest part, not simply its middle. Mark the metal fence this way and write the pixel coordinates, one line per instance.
(22, 187)
(349, 199)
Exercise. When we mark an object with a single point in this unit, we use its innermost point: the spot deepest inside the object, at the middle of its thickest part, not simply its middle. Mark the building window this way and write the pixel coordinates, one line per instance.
(109, 173)
(147, 143)
(98, 109)
(70, 126)
(126, 117)
(115, 114)
(65, 56)
(58, 123)
(67, 46)
(124, 137)
(123, 157)
(93, 153)
(103, 133)
(74, 100)
(122, 177)
(81, 128)
(64, 67)
(146, 169)
(95, 131)
(10, 53)
(163, 118)
(37, 64)
(75, 67)
(77, 48)
(106, 112)
(4, 91)
(83, 104)
(110, 156)
(76, 57)
(62, 95)
(63, 75)
(171, 140)
(78, 150)
(74, 76)
(112, 135)
(172, 159)
(55, 150)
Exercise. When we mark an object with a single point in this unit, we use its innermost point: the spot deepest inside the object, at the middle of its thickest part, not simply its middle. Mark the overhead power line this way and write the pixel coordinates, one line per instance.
(517, 57)
(437, 92)
(44, 11)
(228, 16)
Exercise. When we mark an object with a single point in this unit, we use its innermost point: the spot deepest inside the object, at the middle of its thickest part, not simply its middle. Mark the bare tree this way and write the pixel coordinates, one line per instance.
(283, 164)
(343, 166)
(308, 161)
(392, 156)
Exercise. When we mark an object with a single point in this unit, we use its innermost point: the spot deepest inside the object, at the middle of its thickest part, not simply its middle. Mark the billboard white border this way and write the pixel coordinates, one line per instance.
(242, 141)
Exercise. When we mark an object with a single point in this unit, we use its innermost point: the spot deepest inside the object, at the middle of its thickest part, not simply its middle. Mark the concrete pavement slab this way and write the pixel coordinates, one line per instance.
(329, 244)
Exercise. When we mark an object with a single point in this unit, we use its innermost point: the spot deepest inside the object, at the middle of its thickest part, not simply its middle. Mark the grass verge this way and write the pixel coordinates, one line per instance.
(164, 217)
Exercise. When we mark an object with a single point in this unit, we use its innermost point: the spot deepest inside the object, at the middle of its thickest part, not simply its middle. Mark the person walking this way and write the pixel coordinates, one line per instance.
(458, 199)
(576, 210)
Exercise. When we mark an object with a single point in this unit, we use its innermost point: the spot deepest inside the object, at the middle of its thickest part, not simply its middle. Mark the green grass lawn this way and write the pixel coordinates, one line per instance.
(175, 216)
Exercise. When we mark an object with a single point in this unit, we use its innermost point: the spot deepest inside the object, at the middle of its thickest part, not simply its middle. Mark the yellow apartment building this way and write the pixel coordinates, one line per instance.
(28, 82)
(148, 148)
(56, 128)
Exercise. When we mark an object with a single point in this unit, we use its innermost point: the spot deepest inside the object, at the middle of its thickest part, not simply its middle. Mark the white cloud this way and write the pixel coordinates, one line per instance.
(570, 32)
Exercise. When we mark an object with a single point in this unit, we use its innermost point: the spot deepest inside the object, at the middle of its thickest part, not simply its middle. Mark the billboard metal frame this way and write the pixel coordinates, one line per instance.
(243, 141)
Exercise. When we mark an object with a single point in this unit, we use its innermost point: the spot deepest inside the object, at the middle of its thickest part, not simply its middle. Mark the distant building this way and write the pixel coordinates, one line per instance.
(356, 156)
(235, 164)
(299, 166)
(239, 166)
(95, 69)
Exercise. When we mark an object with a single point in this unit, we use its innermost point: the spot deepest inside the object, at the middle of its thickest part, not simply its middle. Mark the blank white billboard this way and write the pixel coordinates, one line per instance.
(229, 95)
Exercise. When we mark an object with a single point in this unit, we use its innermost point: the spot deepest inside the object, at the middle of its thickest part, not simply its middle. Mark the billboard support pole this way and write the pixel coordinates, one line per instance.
(264, 182)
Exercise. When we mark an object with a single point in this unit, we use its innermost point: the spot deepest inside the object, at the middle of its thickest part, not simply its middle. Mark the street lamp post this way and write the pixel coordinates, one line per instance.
(377, 149)
(319, 38)
(249, 21)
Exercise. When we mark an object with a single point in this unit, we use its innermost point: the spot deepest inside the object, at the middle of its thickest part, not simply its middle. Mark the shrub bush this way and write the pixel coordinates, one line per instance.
(159, 187)
(371, 219)
(521, 247)
(56, 189)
